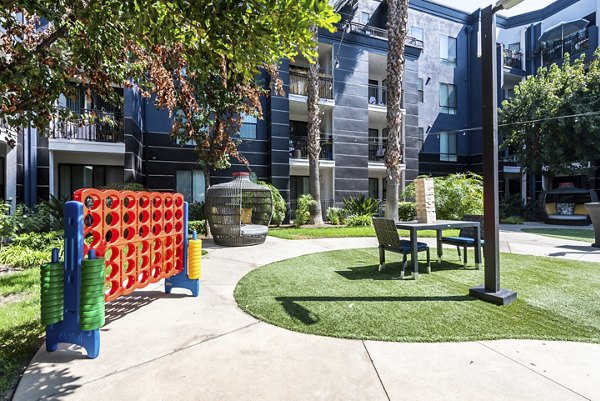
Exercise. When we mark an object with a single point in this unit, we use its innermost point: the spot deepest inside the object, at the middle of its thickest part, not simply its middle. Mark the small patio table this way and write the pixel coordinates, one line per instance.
(439, 225)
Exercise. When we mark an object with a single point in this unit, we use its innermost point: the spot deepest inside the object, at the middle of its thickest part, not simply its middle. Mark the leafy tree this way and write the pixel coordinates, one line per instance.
(279, 205)
(394, 151)
(547, 124)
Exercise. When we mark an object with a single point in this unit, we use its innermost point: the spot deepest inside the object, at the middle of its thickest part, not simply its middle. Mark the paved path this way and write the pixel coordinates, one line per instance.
(175, 347)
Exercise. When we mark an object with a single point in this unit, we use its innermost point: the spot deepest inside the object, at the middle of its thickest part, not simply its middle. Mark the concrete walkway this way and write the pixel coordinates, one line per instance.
(175, 347)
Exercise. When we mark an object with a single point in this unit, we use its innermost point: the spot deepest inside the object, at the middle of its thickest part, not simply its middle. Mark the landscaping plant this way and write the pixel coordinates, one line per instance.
(407, 211)
(305, 202)
(279, 206)
(335, 215)
(361, 220)
(362, 205)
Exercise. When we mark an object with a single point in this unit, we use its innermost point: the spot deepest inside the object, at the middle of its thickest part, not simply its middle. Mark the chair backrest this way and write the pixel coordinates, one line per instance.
(469, 232)
(386, 232)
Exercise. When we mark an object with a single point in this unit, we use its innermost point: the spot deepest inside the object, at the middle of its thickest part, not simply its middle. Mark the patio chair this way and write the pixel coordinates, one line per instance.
(466, 236)
(389, 240)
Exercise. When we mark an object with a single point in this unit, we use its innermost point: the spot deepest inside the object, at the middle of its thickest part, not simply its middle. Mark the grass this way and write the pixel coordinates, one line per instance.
(575, 234)
(342, 232)
(20, 329)
(341, 294)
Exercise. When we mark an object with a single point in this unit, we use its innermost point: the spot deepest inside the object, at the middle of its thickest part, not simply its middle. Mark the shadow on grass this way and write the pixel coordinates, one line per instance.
(392, 270)
(305, 316)
(577, 250)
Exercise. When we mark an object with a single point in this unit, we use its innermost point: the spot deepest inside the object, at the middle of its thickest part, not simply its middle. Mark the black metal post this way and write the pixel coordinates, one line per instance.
(490, 291)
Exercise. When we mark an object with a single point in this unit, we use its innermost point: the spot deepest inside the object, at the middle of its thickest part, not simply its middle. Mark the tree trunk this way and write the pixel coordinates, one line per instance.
(314, 135)
(394, 151)
(206, 171)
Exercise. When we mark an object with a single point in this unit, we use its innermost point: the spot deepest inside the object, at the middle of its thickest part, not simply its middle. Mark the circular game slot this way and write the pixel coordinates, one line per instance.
(128, 250)
(129, 265)
(178, 226)
(168, 242)
(156, 258)
(144, 231)
(168, 267)
(178, 240)
(129, 281)
(157, 244)
(143, 277)
(112, 236)
(112, 270)
(178, 214)
(91, 202)
(178, 201)
(144, 246)
(168, 201)
(157, 201)
(156, 215)
(129, 217)
(156, 271)
(129, 201)
(113, 202)
(179, 264)
(144, 262)
(156, 229)
(88, 220)
(144, 216)
(112, 288)
(168, 214)
(168, 228)
(168, 255)
(128, 233)
(144, 201)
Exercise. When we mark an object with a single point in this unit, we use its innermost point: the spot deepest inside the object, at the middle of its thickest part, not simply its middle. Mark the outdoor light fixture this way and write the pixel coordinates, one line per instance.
(337, 62)
(428, 129)
(491, 291)
(427, 81)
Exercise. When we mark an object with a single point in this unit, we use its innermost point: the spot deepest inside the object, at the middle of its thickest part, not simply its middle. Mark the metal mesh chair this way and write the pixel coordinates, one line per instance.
(466, 236)
(239, 211)
(389, 239)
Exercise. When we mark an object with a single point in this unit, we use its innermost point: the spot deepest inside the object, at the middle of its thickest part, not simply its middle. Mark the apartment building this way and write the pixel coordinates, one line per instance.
(441, 103)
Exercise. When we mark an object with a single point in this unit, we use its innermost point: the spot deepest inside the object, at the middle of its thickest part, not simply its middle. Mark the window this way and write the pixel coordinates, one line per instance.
(448, 49)
(514, 47)
(190, 183)
(298, 186)
(248, 129)
(420, 89)
(416, 33)
(448, 99)
(374, 188)
(448, 146)
(72, 177)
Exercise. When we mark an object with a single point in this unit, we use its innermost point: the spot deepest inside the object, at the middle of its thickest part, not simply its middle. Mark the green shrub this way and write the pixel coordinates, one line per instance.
(196, 211)
(512, 220)
(455, 195)
(37, 219)
(305, 202)
(407, 211)
(56, 209)
(127, 186)
(335, 215)
(197, 225)
(23, 257)
(40, 241)
(279, 206)
(362, 220)
(7, 227)
(362, 205)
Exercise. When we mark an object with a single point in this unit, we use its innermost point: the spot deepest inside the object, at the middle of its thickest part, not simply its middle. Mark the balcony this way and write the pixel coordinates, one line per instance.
(377, 95)
(299, 147)
(377, 151)
(380, 33)
(88, 125)
(513, 59)
(299, 84)
(573, 44)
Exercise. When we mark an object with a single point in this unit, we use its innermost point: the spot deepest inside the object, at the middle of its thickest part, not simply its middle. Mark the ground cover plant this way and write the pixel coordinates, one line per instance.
(341, 294)
(574, 234)
(342, 232)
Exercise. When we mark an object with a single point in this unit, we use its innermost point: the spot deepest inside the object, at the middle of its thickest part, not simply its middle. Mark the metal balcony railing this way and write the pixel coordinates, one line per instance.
(299, 85)
(513, 59)
(299, 147)
(377, 95)
(379, 33)
(377, 151)
(573, 44)
(88, 125)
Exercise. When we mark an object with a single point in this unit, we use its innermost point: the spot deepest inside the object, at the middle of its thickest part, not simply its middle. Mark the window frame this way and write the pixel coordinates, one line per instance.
(95, 184)
(248, 120)
(421, 90)
(412, 33)
(448, 108)
(192, 172)
(449, 155)
(447, 58)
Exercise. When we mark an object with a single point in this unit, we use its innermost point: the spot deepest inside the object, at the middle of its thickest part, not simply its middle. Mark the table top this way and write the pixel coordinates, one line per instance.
(415, 225)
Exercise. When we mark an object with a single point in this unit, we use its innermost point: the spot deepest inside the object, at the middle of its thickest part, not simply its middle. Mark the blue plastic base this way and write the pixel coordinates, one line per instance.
(68, 332)
(182, 281)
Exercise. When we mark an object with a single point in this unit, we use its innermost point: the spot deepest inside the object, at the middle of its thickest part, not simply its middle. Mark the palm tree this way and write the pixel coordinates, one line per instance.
(314, 133)
(397, 22)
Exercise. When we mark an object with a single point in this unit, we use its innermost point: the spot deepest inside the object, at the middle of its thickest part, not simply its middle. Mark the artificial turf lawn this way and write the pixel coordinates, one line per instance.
(343, 232)
(574, 234)
(341, 294)
(20, 329)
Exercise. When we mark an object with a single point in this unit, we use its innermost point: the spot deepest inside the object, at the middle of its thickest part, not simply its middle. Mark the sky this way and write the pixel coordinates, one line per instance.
(472, 5)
